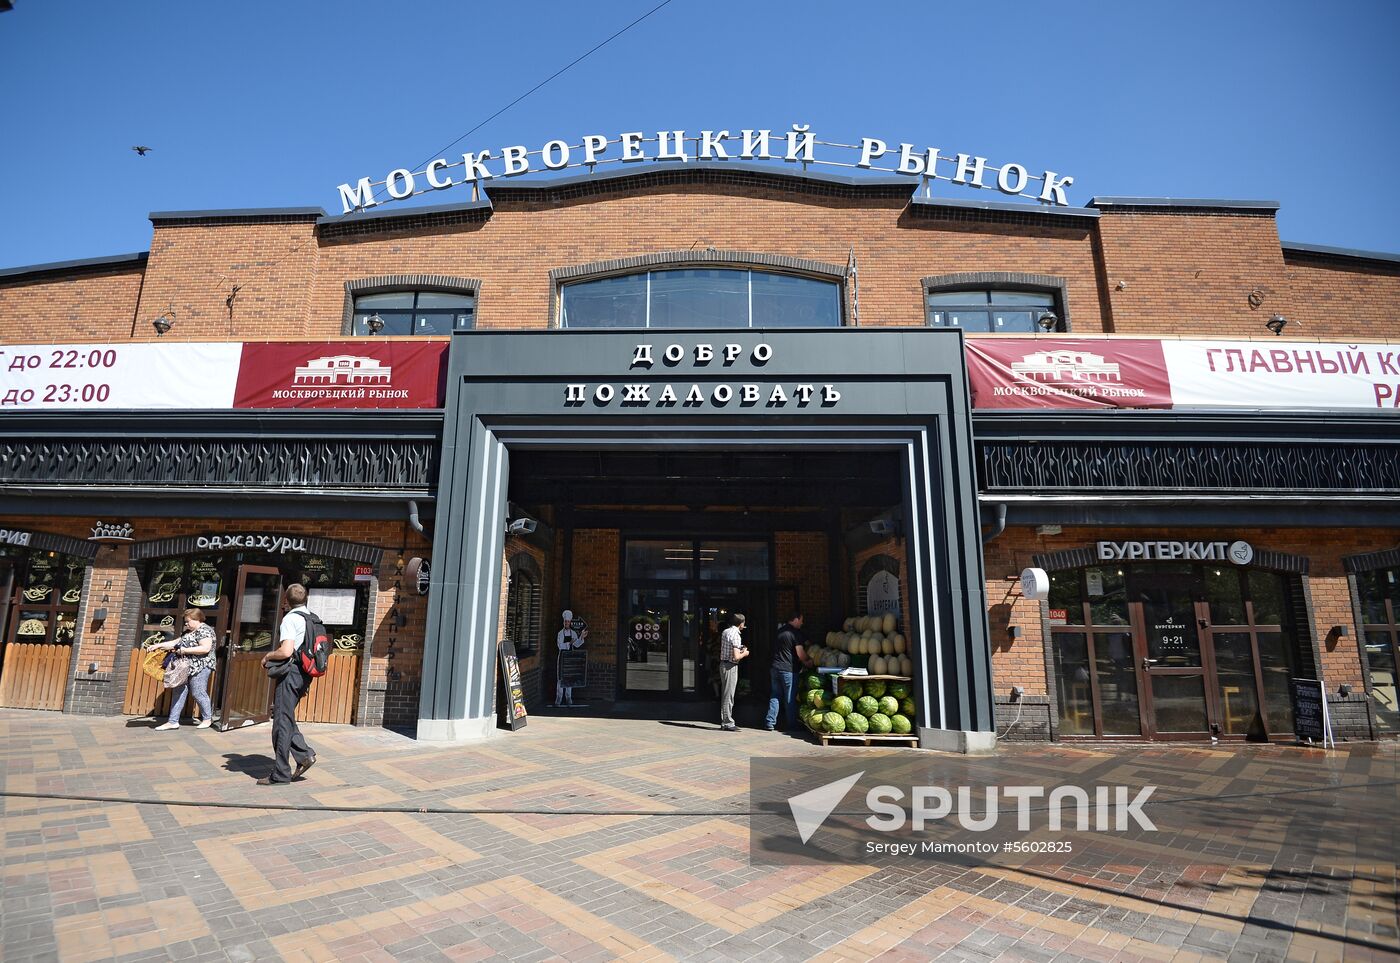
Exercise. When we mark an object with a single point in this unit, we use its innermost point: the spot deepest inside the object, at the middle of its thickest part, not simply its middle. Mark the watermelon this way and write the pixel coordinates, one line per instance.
(906, 707)
(816, 698)
(898, 689)
(813, 680)
(867, 706)
(889, 705)
(851, 688)
(813, 720)
(834, 722)
(843, 705)
(855, 722)
(879, 723)
(900, 724)
(875, 688)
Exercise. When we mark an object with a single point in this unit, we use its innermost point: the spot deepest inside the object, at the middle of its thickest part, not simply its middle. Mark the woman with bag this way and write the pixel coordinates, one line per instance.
(196, 650)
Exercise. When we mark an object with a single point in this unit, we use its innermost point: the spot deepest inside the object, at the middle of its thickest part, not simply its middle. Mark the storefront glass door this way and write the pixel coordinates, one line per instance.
(256, 616)
(1174, 661)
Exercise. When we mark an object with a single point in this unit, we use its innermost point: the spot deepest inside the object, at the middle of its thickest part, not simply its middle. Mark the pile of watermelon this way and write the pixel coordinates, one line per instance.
(859, 706)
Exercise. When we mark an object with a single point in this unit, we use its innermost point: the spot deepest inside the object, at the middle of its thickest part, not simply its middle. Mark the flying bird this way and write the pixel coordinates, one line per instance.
(141, 150)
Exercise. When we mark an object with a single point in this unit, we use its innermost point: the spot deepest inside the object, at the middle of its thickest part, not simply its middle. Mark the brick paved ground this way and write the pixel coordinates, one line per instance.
(651, 863)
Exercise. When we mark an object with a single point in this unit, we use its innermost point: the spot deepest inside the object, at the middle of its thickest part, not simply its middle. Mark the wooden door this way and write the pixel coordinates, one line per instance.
(38, 641)
(254, 620)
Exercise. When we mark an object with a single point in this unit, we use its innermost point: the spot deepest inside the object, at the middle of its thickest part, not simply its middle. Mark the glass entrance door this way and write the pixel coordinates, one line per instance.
(1174, 660)
(661, 642)
(256, 615)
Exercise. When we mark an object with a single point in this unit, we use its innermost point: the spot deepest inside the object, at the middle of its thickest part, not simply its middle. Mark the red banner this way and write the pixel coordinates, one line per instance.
(342, 374)
(1067, 373)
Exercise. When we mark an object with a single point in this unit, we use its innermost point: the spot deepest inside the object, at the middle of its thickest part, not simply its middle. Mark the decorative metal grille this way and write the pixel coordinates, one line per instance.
(282, 463)
(1204, 466)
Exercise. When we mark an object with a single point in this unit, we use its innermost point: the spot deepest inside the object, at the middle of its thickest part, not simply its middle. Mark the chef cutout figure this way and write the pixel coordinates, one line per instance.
(571, 636)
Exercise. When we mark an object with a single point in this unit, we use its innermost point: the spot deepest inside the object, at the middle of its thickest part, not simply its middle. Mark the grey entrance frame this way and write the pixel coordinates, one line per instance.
(890, 388)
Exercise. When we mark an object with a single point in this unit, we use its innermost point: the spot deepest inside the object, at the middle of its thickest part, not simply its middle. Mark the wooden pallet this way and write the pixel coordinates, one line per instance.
(867, 739)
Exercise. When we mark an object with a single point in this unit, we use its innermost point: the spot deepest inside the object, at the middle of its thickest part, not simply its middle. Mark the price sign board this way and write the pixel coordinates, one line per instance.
(512, 704)
(573, 668)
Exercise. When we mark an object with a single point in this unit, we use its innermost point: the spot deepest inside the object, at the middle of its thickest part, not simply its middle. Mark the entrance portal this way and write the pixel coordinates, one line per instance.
(1173, 651)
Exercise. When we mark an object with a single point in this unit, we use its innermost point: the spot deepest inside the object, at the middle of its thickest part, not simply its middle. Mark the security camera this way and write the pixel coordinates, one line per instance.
(522, 526)
(882, 526)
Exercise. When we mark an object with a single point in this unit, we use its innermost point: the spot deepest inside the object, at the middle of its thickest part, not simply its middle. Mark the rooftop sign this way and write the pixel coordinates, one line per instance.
(796, 146)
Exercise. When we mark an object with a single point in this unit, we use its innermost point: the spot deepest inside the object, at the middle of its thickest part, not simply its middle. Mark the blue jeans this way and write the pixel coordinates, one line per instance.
(782, 689)
(199, 685)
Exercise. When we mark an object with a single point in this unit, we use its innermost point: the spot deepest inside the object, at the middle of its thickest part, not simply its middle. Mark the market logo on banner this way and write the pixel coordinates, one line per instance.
(1067, 373)
(345, 369)
(327, 375)
(1055, 367)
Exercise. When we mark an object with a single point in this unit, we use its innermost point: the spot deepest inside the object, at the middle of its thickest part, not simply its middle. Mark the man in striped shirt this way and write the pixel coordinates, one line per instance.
(731, 650)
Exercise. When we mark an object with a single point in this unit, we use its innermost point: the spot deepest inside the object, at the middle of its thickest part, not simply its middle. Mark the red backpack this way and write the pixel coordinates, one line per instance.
(315, 652)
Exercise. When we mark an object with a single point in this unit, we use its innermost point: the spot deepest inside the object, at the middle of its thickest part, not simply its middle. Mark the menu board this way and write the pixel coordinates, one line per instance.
(252, 608)
(1309, 710)
(573, 668)
(512, 704)
(334, 606)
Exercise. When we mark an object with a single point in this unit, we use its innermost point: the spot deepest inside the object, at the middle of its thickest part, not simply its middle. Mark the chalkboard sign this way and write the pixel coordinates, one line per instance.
(573, 668)
(1309, 710)
(512, 705)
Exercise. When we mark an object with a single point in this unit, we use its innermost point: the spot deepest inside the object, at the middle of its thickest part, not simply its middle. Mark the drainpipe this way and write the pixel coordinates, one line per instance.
(998, 526)
(418, 526)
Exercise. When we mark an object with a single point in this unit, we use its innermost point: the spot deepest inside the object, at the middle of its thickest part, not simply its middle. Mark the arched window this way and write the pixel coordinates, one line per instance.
(523, 604)
(409, 304)
(696, 297)
(997, 302)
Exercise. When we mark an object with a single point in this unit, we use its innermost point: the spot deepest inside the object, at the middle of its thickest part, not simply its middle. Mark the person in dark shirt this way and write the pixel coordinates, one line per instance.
(789, 654)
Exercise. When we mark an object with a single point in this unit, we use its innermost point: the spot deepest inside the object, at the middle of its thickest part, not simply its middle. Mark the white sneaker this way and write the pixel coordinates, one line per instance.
(205, 723)
(164, 726)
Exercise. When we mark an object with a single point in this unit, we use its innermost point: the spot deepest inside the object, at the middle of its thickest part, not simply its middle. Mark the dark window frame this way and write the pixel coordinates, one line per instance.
(988, 281)
(415, 284)
(708, 259)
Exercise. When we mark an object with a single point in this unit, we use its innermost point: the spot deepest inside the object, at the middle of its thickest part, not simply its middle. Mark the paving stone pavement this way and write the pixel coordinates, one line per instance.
(650, 861)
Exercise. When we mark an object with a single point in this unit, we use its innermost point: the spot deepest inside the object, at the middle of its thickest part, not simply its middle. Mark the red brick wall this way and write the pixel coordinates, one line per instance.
(83, 308)
(1191, 274)
(193, 269)
(801, 560)
(594, 599)
(1184, 273)
(1330, 300)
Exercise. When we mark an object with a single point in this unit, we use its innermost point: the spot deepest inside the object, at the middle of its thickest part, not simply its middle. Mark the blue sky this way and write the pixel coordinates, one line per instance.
(263, 104)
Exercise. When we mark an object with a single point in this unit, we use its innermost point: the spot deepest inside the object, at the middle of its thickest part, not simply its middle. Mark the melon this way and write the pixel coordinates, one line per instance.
(813, 680)
(850, 688)
(867, 705)
(889, 705)
(875, 688)
(906, 707)
(906, 666)
(855, 722)
(844, 705)
(901, 724)
(879, 723)
(877, 665)
(886, 646)
(816, 698)
(847, 625)
(900, 646)
(887, 623)
(832, 722)
(897, 689)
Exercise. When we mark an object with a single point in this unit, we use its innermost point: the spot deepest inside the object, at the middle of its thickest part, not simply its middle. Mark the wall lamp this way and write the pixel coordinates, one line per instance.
(1276, 323)
(163, 323)
(884, 526)
(374, 323)
(1048, 321)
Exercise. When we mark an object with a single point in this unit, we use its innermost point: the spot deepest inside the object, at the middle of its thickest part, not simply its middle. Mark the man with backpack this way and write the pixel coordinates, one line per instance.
(302, 653)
